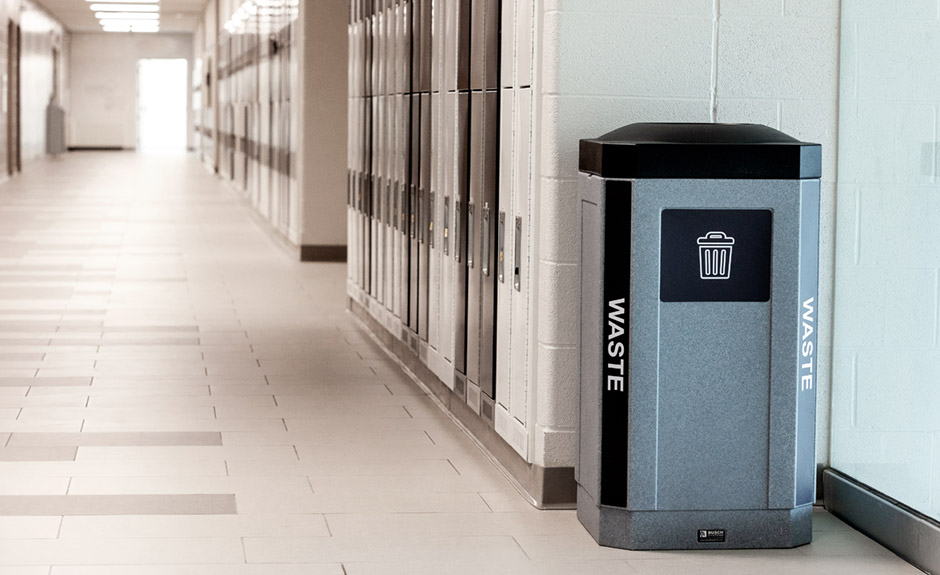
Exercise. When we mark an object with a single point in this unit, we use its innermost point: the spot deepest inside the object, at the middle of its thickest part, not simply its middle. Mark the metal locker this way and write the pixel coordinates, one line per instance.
(463, 43)
(433, 233)
(425, 46)
(395, 193)
(523, 171)
(413, 212)
(491, 45)
(524, 42)
(507, 43)
(489, 214)
(447, 247)
(461, 200)
(478, 18)
(424, 189)
(474, 228)
(503, 251)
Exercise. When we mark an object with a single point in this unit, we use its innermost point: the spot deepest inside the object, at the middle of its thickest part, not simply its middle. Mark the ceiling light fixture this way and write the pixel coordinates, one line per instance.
(125, 8)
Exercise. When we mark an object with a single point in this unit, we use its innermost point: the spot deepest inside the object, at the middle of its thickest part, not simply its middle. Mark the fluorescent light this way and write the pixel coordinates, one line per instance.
(142, 16)
(127, 29)
(124, 8)
(131, 23)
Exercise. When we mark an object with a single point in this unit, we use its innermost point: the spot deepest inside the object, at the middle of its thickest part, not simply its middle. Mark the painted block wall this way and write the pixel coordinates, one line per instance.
(104, 84)
(608, 63)
(886, 400)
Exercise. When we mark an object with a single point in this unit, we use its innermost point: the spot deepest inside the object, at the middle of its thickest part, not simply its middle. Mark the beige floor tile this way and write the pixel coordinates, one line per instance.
(192, 526)
(390, 549)
(121, 552)
(227, 569)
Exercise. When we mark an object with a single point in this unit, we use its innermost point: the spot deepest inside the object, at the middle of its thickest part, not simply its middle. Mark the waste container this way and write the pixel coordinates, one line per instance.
(697, 401)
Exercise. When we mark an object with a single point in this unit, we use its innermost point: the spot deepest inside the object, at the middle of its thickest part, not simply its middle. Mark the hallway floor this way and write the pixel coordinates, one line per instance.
(178, 396)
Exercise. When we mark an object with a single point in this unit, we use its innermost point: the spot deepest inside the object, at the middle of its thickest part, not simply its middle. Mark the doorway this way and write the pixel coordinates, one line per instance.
(161, 105)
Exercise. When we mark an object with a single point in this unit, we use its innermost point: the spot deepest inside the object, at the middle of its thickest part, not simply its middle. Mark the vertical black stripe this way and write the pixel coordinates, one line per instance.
(615, 392)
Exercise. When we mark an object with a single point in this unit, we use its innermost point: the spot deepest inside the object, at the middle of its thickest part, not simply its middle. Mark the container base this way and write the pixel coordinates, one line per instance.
(713, 529)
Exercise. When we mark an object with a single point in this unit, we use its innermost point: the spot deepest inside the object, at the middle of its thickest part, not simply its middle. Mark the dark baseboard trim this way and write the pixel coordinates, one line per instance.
(96, 148)
(910, 534)
(545, 487)
(320, 253)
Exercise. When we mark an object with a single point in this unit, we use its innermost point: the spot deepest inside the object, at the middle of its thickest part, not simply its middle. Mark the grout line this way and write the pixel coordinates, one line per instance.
(408, 412)
(284, 421)
(314, 491)
(226, 468)
(69, 486)
(343, 567)
(274, 397)
(390, 392)
(297, 453)
(483, 499)
(454, 466)
(58, 532)
(521, 548)
(215, 414)
(244, 550)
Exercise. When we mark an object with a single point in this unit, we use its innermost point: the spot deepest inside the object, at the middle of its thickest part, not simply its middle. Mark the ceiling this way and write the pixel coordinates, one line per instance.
(175, 15)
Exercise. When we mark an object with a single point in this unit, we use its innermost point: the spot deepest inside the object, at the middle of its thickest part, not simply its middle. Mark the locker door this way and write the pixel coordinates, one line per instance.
(434, 244)
(503, 279)
(461, 200)
(474, 243)
(519, 273)
(447, 230)
(424, 185)
(413, 213)
(488, 217)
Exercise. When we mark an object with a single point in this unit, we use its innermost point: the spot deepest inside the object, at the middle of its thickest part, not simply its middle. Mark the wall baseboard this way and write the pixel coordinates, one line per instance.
(322, 253)
(910, 534)
(97, 148)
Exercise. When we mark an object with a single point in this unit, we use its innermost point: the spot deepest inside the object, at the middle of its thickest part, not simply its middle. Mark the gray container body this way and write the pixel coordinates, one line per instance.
(697, 397)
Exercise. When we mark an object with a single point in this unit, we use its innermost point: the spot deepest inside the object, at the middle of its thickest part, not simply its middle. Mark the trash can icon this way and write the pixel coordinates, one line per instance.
(714, 256)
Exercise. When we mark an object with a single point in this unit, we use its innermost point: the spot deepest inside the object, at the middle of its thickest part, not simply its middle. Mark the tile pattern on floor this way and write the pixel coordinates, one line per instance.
(179, 397)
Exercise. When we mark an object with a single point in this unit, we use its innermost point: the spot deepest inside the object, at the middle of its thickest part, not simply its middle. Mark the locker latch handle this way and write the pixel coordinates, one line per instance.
(431, 221)
(470, 232)
(517, 257)
(446, 225)
(501, 247)
(457, 230)
(486, 239)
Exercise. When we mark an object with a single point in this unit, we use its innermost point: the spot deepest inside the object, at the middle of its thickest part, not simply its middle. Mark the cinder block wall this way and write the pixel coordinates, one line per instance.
(607, 63)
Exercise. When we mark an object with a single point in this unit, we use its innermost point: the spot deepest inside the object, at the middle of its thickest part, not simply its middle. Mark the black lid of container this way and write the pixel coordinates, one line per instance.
(700, 151)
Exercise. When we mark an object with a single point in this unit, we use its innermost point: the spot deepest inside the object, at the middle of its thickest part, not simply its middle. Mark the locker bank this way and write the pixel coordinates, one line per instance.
(301, 286)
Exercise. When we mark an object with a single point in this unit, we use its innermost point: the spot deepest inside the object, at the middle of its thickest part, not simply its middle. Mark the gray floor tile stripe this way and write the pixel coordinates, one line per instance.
(117, 439)
(60, 505)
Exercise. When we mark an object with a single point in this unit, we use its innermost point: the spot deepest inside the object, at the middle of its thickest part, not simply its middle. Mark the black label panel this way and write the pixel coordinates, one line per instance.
(616, 322)
(715, 255)
(711, 535)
